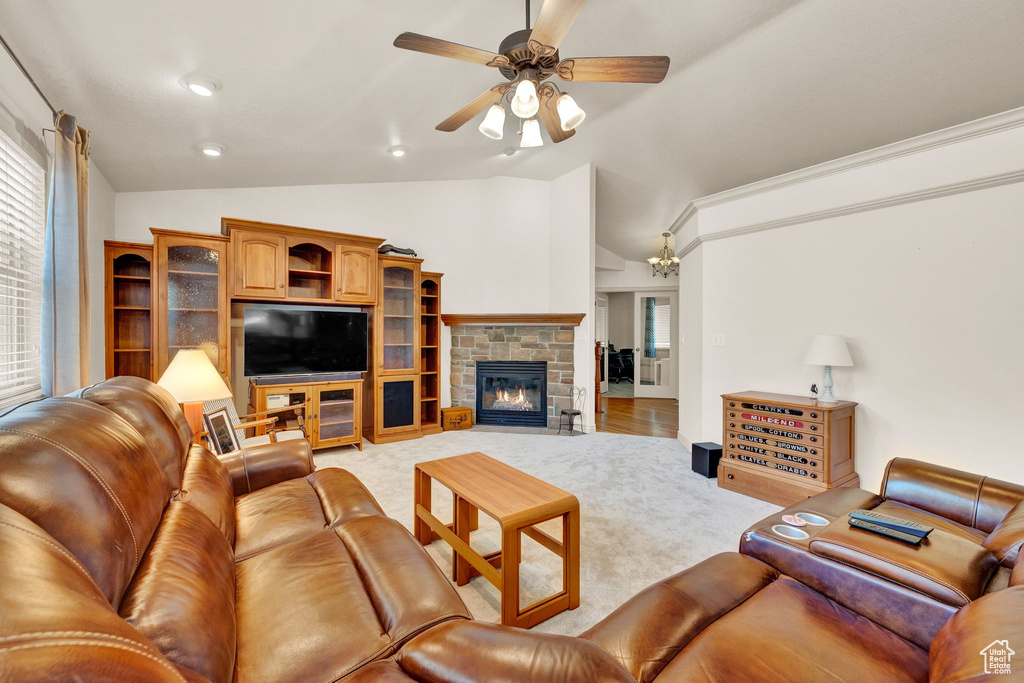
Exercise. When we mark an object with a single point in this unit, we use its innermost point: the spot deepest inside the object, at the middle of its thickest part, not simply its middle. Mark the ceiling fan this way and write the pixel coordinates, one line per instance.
(527, 58)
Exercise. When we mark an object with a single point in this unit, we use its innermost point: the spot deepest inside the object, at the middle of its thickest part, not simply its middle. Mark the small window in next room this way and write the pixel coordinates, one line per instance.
(22, 231)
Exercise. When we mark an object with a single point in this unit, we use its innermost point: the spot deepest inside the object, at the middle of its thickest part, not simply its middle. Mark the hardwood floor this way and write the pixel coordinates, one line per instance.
(641, 416)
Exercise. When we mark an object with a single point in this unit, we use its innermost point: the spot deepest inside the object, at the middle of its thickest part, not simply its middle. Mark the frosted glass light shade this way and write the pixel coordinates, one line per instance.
(569, 112)
(191, 378)
(493, 125)
(829, 349)
(531, 134)
(525, 103)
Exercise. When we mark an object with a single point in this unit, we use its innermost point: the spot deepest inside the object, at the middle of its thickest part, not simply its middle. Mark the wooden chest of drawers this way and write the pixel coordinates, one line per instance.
(784, 449)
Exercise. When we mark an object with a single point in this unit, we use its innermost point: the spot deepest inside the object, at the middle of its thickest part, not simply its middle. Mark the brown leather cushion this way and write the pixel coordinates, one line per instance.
(153, 412)
(298, 509)
(92, 483)
(319, 608)
(945, 567)
(207, 487)
(994, 620)
(1007, 538)
(788, 632)
(649, 629)
(183, 596)
(55, 622)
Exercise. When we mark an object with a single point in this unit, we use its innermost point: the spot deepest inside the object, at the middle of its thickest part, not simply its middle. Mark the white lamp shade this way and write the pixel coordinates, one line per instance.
(525, 103)
(493, 125)
(531, 134)
(828, 349)
(569, 112)
(191, 378)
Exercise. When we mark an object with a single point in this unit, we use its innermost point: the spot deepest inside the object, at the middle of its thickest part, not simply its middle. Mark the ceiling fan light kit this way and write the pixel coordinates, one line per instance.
(527, 58)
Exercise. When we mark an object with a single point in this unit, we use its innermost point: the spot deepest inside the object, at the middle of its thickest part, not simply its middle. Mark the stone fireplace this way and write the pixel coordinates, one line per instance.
(512, 392)
(550, 345)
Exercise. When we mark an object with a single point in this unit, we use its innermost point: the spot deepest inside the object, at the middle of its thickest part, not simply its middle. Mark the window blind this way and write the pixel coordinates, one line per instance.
(663, 326)
(22, 231)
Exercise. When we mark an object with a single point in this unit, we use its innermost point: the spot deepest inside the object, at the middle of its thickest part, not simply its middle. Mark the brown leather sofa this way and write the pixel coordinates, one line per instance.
(128, 554)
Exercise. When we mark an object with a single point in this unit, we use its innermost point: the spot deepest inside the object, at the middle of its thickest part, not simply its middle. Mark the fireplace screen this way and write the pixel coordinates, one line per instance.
(511, 392)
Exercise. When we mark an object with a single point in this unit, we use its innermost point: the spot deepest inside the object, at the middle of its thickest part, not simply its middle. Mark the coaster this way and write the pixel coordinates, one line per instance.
(793, 520)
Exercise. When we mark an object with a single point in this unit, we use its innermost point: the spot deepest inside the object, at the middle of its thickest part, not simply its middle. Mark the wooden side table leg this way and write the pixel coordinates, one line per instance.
(510, 576)
(571, 541)
(421, 496)
(462, 525)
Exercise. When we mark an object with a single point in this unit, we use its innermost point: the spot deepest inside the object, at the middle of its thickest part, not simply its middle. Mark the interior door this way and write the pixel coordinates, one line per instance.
(655, 348)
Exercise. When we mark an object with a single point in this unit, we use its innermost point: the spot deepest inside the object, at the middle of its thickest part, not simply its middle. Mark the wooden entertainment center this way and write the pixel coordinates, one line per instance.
(177, 294)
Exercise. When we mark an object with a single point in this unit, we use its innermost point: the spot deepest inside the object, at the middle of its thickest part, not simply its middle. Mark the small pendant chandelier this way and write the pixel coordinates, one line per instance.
(665, 263)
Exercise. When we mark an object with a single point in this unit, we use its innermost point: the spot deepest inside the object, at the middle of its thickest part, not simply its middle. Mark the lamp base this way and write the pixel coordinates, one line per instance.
(194, 417)
(826, 395)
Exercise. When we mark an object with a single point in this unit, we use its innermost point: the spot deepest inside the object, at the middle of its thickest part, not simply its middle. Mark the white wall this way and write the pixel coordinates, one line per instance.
(915, 258)
(496, 254)
(571, 262)
(101, 227)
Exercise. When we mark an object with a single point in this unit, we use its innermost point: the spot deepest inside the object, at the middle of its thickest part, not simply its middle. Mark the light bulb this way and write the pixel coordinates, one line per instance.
(398, 151)
(200, 88)
(653, 260)
(525, 103)
(569, 112)
(493, 125)
(531, 134)
(212, 150)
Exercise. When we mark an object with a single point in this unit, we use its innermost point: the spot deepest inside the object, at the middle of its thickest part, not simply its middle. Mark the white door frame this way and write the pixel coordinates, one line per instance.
(602, 302)
(668, 389)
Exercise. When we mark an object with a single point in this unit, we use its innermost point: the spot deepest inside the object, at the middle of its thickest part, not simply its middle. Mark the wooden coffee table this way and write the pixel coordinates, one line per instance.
(517, 501)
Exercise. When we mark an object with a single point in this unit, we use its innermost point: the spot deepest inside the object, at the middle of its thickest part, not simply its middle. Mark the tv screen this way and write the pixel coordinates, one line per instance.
(302, 340)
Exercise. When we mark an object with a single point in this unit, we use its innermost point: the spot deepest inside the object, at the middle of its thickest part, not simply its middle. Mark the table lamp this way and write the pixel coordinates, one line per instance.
(828, 350)
(192, 379)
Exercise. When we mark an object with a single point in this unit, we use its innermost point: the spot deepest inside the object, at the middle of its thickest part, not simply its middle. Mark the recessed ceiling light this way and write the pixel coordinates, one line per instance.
(201, 85)
(212, 150)
(398, 151)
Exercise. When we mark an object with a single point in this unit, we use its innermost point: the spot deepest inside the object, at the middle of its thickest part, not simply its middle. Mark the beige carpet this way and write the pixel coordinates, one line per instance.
(645, 515)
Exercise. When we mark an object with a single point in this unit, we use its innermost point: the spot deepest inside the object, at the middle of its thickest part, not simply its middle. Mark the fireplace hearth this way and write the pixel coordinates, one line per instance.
(512, 393)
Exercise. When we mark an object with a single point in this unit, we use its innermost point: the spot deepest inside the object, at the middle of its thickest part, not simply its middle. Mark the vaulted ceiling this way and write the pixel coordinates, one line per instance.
(314, 92)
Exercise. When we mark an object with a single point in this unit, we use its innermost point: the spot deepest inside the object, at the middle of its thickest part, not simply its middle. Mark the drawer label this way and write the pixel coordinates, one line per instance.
(773, 432)
(772, 420)
(771, 442)
(772, 409)
(774, 465)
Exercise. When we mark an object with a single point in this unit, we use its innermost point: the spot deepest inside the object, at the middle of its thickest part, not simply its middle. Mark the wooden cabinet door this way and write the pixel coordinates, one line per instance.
(355, 274)
(396, 321)
(397, 405)
(337, 414)
(259, 264)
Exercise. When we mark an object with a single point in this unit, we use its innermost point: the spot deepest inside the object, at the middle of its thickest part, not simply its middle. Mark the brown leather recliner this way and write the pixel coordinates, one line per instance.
(301, 578)
(911, 590)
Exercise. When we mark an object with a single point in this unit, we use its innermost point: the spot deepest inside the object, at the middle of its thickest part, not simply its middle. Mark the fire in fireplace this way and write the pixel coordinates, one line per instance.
(511, 392)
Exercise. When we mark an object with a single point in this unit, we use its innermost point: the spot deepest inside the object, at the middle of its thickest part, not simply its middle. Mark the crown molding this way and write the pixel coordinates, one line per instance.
(452, 319)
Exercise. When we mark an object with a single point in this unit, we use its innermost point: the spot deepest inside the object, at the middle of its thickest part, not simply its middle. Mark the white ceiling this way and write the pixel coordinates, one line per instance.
(314, 92)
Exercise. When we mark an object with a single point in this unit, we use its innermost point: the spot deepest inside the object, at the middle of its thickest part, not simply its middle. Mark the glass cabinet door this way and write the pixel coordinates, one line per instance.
(336, 414)
(194, 317)
(398, 404)
(398, 326)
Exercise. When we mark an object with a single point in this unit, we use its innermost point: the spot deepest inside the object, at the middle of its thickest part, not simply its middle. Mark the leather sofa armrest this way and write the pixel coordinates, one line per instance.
(944, 567)
(1017, 574)
(257, 467)
(991, 624)
(462, 650)
(649, 629)
(1006, 539)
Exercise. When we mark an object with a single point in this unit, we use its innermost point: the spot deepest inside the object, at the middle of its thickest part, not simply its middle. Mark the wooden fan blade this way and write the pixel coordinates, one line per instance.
(553, 124)
(456, 120)
(555, 20)
(443, 48)
(614, 69)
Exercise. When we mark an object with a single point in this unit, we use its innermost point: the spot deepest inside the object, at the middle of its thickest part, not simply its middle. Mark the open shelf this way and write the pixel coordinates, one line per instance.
(309, 273)
(131, 350)
(140, 278)
(129, 311)
(191, 272)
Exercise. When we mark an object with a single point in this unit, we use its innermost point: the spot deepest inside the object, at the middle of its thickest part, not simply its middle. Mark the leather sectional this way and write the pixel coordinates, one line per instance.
(129, 554)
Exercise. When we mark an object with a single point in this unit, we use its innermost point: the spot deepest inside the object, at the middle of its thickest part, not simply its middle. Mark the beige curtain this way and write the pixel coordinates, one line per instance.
(65, 343)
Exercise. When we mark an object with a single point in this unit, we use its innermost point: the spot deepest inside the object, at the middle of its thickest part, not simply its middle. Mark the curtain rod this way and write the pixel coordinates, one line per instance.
(27, 75)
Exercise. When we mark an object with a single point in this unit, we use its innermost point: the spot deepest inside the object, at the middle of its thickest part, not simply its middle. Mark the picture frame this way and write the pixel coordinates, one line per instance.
(221, 433)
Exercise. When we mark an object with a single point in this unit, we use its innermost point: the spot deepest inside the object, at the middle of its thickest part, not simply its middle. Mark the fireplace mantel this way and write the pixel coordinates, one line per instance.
(452, 319)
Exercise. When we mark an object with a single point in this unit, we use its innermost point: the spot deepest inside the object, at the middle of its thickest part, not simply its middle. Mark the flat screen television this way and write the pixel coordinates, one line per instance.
(298, 340)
